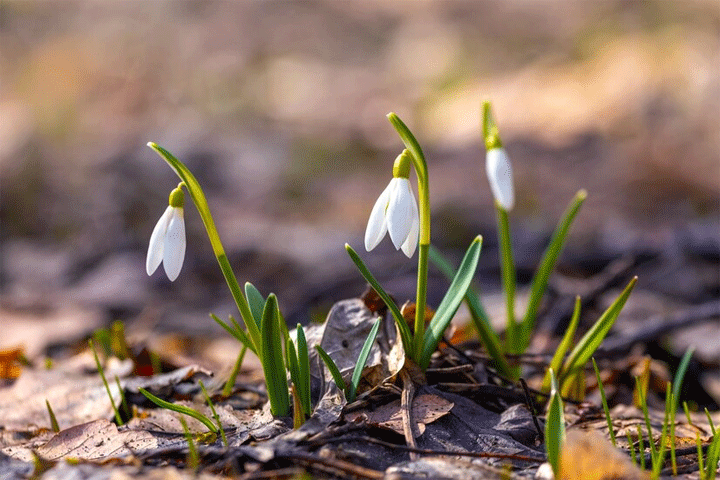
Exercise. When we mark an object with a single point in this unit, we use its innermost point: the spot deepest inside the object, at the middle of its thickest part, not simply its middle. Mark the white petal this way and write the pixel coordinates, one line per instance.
(499, 174)
(157, 242)
(410, 244)
(399, 212)
(377, 227)
(174, 245)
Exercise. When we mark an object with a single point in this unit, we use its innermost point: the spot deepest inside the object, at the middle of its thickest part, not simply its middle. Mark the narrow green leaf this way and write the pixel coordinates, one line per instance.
(332, 368)
(642, 394)
(118, 418)
(399, 320)
(450, 303)
(191, 412)
(554, 427)
(712, 457)
(230, 383)
(292, 364)
(489, 338)
(606, 409)
(236, 331)
(547, 264)
(556, 362)
(272, 359)
(680, 373)
(53, 419)
(193, 459)
(209, 401)
(256, 301)
(303, 369)
(590, 342)
(362, 360)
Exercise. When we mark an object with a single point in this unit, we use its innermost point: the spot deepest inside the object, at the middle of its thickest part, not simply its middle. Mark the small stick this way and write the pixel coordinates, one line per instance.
(406, 400)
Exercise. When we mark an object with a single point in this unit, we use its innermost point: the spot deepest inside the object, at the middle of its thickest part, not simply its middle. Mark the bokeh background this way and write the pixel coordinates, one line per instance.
(279, 109)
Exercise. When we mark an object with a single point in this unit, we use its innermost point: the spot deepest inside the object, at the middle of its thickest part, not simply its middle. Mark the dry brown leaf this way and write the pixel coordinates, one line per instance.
(10, 363)
(588, 455)
(426, 409)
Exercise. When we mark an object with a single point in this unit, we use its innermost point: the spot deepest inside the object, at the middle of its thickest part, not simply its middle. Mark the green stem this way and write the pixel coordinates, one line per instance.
(421, 171)
(200, 201)
(508, 278)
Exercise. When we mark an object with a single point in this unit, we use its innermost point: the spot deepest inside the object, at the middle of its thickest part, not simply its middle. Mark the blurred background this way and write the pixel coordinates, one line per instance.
(279, 110)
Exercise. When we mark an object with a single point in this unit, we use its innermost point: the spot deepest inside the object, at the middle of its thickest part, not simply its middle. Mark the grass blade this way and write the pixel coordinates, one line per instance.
(362, 360)
(489, 338)
(230, 384)
(272, 359)
(334, 370)
(399, 320)
(118, 419)
(547, 264)
(190, 412)
(53, 419)
(450, 303)
(214, 412)
(680, 373)
(236, 331)
(606, 409)
(590, 342)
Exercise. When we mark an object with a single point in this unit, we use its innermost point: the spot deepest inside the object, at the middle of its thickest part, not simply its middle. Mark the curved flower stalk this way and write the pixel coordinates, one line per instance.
(167, 242)
(395, 212)
(499, 172)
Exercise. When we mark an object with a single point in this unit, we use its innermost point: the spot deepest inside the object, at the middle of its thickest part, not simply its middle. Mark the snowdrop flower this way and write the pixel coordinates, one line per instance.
(396, 212)
(499, 173)
(167, 242)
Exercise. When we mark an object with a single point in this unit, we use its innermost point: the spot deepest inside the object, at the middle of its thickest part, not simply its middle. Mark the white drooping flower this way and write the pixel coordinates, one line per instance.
(499, 174)
(167, 242)
(396, 212)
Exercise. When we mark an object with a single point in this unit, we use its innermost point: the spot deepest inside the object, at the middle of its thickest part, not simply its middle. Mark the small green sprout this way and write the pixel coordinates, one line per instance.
(351, 390)
(53, 419)
(193, 459)
(554, 427)
(191, 412)
(118, 418)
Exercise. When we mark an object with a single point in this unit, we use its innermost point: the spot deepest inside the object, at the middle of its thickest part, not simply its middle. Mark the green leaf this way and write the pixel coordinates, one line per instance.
(256, 301)
(191, 412)
(564, 346)
(680, 373)
(334, 370)
(539, 283)
(450, 303)
(606, 409)
(303, 370)
(713, 455)
(590, 342)
(554, 427)
(489, 338)
(236, 331)
(362, 360)
(272, 359)
(399, 320)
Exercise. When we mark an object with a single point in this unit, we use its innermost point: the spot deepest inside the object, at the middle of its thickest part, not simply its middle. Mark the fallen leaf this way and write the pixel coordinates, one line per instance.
(588, 455)
(426, 409)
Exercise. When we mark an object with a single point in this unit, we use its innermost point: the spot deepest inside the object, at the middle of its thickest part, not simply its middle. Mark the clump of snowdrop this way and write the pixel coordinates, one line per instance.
(167, 242)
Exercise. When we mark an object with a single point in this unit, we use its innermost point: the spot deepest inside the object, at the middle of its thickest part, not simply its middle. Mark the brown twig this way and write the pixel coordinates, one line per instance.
(406, 401)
